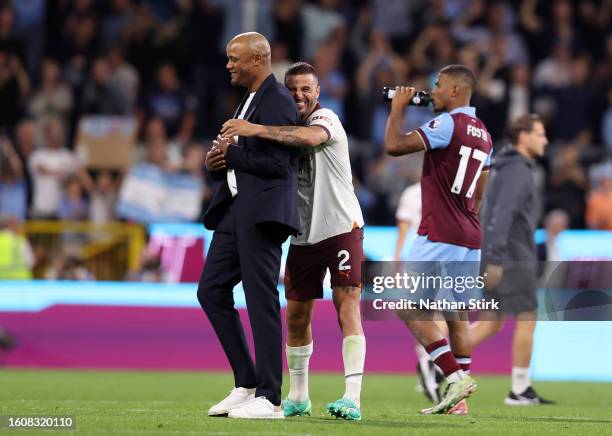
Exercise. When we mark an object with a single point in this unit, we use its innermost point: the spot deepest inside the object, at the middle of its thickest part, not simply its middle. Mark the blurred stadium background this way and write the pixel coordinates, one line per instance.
(107, 108)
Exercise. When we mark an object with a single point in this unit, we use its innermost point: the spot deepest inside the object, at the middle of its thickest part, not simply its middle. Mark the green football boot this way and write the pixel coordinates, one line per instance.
(455, 392)
(295, 408)
(344, 408)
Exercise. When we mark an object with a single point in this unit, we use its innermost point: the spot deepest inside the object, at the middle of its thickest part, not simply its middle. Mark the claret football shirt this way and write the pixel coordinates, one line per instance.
(458, 148)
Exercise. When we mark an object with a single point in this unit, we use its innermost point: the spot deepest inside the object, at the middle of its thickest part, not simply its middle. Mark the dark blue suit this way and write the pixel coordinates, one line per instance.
(249, 231)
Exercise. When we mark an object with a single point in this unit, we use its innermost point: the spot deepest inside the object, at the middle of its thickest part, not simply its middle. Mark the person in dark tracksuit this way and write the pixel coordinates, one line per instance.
(509, 217)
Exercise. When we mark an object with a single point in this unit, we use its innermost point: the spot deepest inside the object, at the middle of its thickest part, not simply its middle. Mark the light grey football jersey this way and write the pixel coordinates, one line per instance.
(327, 202)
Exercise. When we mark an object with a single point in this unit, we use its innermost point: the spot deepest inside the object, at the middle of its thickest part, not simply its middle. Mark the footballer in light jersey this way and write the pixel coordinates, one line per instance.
(458, 151)
(331, 238)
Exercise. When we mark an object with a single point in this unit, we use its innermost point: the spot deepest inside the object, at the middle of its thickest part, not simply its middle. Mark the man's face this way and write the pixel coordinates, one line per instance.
(536, 140)
(305, 90)
(442, 91)
(239, 64)
(54, 135)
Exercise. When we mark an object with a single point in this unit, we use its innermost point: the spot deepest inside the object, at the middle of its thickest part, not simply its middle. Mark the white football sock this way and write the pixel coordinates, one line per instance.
(353, 355)
(520, 380)
(422, 354)
(297, 361)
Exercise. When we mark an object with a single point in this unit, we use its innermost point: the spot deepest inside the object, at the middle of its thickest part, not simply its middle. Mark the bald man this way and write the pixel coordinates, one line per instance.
(253, 211)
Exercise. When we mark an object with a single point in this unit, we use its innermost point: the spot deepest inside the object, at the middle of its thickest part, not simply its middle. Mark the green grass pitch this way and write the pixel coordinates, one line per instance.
(142, 403)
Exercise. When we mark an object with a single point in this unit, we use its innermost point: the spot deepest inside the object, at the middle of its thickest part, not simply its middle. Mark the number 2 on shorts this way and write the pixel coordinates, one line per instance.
(344, 257)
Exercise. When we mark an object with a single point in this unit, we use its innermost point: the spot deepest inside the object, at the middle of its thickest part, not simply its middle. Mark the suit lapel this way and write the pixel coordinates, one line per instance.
(242, 102)
(270, 80)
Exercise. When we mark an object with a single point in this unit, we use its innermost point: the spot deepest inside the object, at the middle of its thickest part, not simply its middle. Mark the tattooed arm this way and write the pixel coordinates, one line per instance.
(292, 136)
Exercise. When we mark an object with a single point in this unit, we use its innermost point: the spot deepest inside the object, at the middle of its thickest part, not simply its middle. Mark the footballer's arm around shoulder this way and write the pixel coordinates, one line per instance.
(295, 136)
(275, 161)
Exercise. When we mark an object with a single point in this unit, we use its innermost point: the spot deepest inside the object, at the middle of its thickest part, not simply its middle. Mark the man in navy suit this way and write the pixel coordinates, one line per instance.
(253, 211)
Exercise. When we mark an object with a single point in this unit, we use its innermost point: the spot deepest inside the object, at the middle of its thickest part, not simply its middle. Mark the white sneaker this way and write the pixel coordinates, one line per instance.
(259, 408)
(237, 397)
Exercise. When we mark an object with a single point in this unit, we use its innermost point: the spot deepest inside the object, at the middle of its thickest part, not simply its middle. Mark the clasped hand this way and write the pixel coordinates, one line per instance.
(215, 158)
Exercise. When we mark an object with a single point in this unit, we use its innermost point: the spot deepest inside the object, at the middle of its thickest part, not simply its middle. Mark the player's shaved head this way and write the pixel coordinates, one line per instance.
(462, 75)
(249, 60)
(255, 43)
(453, 88)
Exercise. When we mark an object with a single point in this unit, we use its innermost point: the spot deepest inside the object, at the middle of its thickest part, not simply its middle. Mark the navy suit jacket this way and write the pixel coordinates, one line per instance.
(266, 171)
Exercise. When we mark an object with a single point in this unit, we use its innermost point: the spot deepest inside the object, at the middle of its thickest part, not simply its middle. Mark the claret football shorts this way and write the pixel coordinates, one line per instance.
(307, 264)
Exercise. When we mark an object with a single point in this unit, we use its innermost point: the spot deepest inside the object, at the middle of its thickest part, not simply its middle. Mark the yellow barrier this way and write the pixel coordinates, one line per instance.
(109, 251)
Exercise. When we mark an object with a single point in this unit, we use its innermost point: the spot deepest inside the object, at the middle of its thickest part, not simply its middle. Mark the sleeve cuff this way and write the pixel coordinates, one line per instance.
(324, 128)
(424, 139)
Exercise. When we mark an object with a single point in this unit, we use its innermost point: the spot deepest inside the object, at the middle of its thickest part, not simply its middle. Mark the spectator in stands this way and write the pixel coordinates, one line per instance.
(322, 22)
(30, 28)
(14, 89)
(394, 19)
(50, 167)
(520, 94)
(102, 199)
(115, 23)
(13, 190)
(210, 83)
(150, 270)
(334, 85)
(599, 206)
(25, 144)
(568, 185)
(73, 206)
(555, 222)
(380, 67)
(241, 16)
(171, 102)
(74, 268)
(79, 49)
(140, 47)
(573, 103)
(193, 163)
(606, 125)
(554, 71)
(289, 27)
(9, 44)
(124, 79)
(280, 61)
(16, 257)
(100, 94)
(53, 98)
(157, 149)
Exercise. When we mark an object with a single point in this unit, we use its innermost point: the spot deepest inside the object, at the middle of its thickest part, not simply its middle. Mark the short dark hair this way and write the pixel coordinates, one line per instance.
(524, 123)
(301, 68)
(462, 72)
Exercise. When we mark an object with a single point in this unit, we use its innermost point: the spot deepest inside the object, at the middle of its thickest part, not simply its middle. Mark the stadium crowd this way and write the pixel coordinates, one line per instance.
(163, 63)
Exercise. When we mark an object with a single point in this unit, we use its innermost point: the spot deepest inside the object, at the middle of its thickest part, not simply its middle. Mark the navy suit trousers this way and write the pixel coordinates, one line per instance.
(241, 250)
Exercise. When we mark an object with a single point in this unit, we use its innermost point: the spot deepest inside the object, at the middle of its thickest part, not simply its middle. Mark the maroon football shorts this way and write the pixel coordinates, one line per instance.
(307, 264)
